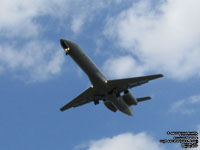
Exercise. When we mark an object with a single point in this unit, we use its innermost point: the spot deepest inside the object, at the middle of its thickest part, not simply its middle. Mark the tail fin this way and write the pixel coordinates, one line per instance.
(143, 99)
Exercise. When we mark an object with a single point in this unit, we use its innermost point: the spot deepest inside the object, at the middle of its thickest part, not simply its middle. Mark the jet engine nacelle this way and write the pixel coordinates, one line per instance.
(110, 106)
(129, 98)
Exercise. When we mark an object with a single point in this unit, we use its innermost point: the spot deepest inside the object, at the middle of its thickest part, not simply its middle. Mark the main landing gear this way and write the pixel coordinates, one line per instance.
(96, 102)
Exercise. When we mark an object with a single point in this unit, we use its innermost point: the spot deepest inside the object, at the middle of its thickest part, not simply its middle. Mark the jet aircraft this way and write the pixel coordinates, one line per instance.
(115, 94)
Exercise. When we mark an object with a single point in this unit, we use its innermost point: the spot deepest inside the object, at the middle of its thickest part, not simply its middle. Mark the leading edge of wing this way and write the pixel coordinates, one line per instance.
(136, 79)
(132, 82)
(83, 98)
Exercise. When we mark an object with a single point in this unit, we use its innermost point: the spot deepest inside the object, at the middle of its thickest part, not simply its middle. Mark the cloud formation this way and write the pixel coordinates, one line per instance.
(25, 45)
(21, 46)
(35, 58)
(164, 38)
(126, 141)
(123, 66)
(186, 106)
(24, 23)
(19, 17)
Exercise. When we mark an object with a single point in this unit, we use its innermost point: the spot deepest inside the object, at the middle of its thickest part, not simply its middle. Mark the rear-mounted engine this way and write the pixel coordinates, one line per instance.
(129, 98)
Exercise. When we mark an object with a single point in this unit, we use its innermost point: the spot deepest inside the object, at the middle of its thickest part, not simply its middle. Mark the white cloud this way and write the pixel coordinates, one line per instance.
(126, 141)
(164, 37)
(186, 106)
(123, 66)
(22, 23)
(77, 23)
(18, 17)
(21, 50)
(38, 59)
(84, 11)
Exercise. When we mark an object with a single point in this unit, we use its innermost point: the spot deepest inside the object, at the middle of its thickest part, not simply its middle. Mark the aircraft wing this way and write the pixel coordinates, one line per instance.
(124, 84)
(85, 97)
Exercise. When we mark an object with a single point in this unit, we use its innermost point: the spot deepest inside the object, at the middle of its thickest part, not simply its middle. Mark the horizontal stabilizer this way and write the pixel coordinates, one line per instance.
(143, 99)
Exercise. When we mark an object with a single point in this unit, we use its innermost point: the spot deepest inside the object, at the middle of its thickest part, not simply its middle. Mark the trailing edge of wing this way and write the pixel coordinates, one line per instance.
(83, 98)
(123, 84)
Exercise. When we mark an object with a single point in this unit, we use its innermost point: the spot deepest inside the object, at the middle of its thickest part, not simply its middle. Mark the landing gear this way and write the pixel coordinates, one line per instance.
(96, 102)
(117, 94)
(114, 91)
(126, 91)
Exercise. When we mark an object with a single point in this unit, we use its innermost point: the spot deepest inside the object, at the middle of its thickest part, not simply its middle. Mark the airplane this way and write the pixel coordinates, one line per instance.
(115, 94)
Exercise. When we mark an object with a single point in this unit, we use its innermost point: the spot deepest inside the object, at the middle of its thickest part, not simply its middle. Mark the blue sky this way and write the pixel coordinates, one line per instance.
(125, 39)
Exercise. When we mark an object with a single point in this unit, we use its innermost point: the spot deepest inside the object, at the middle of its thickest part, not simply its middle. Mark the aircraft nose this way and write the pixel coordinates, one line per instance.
(64, 44)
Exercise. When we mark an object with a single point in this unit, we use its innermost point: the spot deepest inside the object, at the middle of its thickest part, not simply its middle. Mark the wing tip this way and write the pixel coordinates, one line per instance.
(61, 109)
(156, 76)
(148, 97)
(160, 75)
